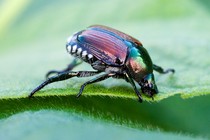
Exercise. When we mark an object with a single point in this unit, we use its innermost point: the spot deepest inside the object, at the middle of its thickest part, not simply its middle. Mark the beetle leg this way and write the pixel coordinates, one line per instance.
(94, 80)
(130, 80)
(63, 76)
(161, 70)
(73, 64)
(98, 65)
(87, 73)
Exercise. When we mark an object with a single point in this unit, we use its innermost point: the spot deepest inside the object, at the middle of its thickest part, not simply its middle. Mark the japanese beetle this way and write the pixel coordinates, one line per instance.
(112, 52)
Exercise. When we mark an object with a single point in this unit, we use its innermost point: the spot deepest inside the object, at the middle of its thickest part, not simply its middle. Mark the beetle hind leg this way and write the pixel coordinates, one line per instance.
(59, 77)
(63, 76)
(73, 64)
(94, 80)
(161, 70)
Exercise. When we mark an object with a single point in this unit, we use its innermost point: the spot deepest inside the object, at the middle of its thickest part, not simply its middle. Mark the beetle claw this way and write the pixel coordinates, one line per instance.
(80, 91)
(140, 99)
(79, 94)
(170, 70)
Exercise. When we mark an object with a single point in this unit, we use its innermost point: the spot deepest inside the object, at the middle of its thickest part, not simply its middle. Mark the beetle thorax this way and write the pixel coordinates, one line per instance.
(139, 63)
(137, 70)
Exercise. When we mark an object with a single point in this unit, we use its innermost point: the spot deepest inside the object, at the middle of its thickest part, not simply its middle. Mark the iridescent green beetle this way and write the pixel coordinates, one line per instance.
(113, 53)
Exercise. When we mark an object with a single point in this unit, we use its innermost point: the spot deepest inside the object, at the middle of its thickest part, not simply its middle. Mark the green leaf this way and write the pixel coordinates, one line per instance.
(34, 43)
(60, 125)
(189, 61)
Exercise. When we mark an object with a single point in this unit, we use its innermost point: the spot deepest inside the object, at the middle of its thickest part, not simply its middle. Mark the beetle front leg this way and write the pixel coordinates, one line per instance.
(63, 76)
(130, 80)
(161, 70)
(94, 80)
(72, 65)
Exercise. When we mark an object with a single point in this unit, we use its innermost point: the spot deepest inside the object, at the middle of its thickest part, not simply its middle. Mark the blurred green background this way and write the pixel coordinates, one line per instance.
(32, 41)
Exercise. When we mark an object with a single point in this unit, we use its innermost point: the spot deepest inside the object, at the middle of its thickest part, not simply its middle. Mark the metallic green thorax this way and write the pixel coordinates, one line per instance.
(139, 61)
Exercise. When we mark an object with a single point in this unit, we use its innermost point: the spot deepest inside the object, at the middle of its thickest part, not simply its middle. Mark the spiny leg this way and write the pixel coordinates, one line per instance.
(63, 76)
(161, 70)
(94, 80)
(130, 80)
(73, 64)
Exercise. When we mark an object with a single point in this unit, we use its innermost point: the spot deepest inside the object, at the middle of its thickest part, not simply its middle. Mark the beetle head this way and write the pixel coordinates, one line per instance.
(148, 85)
